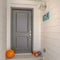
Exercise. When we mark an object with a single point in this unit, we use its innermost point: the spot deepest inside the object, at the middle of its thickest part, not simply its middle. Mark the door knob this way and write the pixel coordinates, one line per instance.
(29, 33)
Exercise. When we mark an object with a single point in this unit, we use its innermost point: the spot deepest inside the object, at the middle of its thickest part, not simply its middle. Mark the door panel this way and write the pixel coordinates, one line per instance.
(21, 31)
(23, 44)
(22, 18)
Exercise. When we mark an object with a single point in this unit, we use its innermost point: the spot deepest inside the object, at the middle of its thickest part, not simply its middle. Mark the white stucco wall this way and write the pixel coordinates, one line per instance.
(2, 29)
(51, 31)
(36, 20)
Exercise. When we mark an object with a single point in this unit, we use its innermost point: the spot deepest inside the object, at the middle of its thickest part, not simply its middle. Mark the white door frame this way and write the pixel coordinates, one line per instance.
(34, 6)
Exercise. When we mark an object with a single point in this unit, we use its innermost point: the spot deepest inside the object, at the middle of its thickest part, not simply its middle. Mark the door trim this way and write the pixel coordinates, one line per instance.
(13, 8)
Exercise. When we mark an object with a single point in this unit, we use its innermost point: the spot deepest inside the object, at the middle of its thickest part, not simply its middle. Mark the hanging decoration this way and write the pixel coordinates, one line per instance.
(46, 16)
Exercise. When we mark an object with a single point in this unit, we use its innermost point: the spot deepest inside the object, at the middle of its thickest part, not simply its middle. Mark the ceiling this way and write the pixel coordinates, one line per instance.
(35, 0)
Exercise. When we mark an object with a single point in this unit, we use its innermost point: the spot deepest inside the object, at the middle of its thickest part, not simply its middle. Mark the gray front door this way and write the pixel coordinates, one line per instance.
(21, 36)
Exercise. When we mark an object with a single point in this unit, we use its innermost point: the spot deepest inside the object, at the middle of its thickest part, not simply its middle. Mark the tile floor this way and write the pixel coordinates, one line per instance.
(25, 57)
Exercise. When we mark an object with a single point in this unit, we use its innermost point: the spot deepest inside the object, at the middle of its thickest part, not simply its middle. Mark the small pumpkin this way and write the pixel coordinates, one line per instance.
(34, 52)
(10, 54)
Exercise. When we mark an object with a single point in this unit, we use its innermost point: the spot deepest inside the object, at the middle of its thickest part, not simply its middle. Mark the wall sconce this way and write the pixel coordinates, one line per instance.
(43, 6)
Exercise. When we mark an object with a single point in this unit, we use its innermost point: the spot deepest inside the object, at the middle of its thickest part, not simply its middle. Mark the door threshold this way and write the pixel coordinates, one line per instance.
(23, 54)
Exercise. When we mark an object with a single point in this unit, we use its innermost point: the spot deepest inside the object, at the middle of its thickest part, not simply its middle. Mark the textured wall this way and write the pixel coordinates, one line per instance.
(2, 29)
(51, 32)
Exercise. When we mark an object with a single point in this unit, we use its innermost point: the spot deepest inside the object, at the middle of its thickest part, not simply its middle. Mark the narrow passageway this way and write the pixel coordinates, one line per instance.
(38, 29)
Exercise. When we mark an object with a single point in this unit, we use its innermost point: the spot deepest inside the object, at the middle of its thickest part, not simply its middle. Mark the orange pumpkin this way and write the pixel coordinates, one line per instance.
(10, 53)
(34, 52)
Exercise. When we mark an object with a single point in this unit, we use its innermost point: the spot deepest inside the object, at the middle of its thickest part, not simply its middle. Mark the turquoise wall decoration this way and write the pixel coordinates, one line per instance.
(46, 16)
